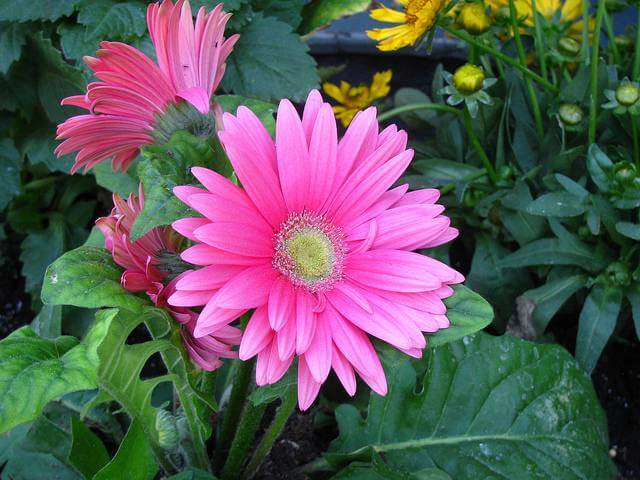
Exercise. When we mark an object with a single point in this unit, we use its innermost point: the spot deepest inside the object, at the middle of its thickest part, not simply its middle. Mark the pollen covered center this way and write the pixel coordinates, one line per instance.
(309, 251)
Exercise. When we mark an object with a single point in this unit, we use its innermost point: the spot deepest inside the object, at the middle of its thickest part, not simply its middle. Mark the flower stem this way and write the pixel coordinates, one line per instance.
(416, 106)
(584, 53)
(636, 54)
(540, 46)
(475, 142)
(595, 56)
(533, 98)
(465, 37)
(634, 138)
(612, 38)
(283, 413)
(234, 408)
(249, 423)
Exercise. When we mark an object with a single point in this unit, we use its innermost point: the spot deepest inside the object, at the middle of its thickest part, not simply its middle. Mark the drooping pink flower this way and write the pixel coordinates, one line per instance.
(319, 244)
(132, 92)
(147, 264)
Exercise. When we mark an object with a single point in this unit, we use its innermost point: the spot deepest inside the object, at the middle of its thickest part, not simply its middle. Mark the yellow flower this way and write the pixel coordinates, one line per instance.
(353, 99)
(570, 11)
(468, 78)
(418, 17)
(473, 18)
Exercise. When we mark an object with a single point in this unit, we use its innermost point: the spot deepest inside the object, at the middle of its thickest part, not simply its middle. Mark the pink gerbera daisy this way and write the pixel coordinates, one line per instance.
(131, 103)
(149, 263)
(318, 245)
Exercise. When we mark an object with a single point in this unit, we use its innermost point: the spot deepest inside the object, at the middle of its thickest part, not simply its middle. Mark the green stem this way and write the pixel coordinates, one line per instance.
(533, 98)
(467, 178)
(283, 413)
(634, 137)
(595, 56)
(465, 37)
(234, 408)
(318, 465)
(584, 53)
(249, 423)
(612, 38)
(475, 142)
(636, 53)
(540, 46)
(416, 106)
(473, 55)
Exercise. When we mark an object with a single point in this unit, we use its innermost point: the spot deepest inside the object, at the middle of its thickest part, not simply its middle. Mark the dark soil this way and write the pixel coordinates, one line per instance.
(15, 304)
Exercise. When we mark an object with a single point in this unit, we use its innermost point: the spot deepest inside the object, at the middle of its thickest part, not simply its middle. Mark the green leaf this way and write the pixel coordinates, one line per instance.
(39, 147)
(25, 10)
(287, 11)
(108, 20)
(417, 118)
(557, 204)
(193, 474)
(87, 277)
(270, 62)
(263, 110)
(75, 44)
(523, 226)
(436, 172)
(269, 393)
(634, 299)
(48, 323)
(134, 459)
(572, 187)
(122, 183)
(488, 406)
(599, 165)
(10, 163)
(34, 371)
(13, 36)
(87, 454)
(628, 229)
(163, 167)
(548, 298)
(554, 251)
(468, 313)
(371, 471)
(318, 13)
(39, 249)
(597, 321)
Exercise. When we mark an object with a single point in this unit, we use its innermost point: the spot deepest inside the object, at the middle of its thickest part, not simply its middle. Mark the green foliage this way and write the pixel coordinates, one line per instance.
(528, 409)
(88, 454)
(9, 171)
(318, 13)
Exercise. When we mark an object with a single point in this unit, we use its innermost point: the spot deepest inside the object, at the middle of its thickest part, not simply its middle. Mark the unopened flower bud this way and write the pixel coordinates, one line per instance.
(569, 46)
(624, 42)
(168, 435)
(570, 114)
(619, 274)
(468, 79)
(474, 19)
(503, 14)
(627, 94)
(624, 172)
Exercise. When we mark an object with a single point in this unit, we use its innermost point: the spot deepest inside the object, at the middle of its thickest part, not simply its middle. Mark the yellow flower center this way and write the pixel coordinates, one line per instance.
(312, 253)
(468, 78)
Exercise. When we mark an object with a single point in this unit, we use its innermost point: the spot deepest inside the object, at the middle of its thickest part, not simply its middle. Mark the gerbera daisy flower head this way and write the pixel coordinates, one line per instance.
(319, 244)
(352, 99)
(135, 101)
(151, 265)
(415, 19)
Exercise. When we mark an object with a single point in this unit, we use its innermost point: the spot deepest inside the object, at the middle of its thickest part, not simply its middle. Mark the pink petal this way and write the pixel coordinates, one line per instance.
(311, 109)
(257, 336)
(281, 303)
(198, 97)
(208, 278)
(344, 371)
(286, 339)
(318, 355)
(308, 388)
(359, 141)
(202, 254)
(323, 156)
(305, 320)
(190, 299)
(237, 238)
(186, 226)
(248, 289)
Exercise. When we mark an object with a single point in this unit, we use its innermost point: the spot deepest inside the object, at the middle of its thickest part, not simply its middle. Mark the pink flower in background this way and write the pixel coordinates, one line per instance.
(132, 91)
(318, 244)
(145, 262)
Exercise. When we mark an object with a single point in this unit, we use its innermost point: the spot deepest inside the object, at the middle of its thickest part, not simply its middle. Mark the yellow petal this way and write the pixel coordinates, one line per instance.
(384, 14)
(333, 91)
(380, 84)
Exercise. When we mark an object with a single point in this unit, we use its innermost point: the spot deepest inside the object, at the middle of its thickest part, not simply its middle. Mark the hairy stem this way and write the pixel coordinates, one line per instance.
(249, 423)
(477, 146)
(595, 56)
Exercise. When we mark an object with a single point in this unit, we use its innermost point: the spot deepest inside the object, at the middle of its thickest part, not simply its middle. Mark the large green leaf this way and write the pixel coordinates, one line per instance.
(39, 147)
(39, 249)
(88, 454)
(557, 204)
(87, 277)
(133, 460)
(25, 10)
(109, 20)
(599, 166)
(270, 62)
(287, 11)
(318, 13)
(597, 321)
(12, 38)
(488, 407)
(163, 167)
(10, 163)
(122, 183)
(34, 371)
(468, 313)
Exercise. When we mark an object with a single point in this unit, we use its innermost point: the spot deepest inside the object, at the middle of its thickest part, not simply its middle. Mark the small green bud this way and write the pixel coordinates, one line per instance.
(619, 274)
(625, 172)
(570, 114)
(468, 78)
(503, 14)
(569, 46)
(627, 94)
(168, 435)
(624, 42)
(584, 233)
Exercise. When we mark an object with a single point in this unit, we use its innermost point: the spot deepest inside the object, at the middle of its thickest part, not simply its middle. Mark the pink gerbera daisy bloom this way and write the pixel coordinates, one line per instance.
(318, 245)
(130, 105)
(149, 263)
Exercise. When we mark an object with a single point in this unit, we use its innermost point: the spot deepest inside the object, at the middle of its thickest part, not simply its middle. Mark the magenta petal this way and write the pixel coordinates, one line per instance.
(248, 289)
(208, 278)
(305, 320)
(323, 157)
(236, 238)
(358, 142)
(318, 355)
(198, 97)
(344, 371)
(281, 303)
(277, 367)
(257, 336)
(286, 339)
(201, 254)
(190, 299)
(308, 387)
(213, 318)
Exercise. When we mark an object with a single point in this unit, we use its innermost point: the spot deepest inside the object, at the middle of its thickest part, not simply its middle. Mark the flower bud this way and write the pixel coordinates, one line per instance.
(571, 114)
(468, 78)
(624, 172)
(168, 435)
(568, 46)
(627, 94)
(503, 14)
(619, 274)
(624, 42)
(584, 233)
(474, 19)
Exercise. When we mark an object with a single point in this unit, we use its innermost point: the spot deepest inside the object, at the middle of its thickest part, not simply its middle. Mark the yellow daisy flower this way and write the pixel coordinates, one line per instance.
(352, 99)
(570, 11)
(418, 17)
